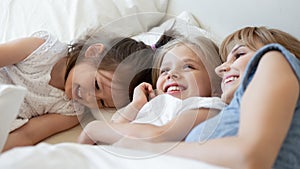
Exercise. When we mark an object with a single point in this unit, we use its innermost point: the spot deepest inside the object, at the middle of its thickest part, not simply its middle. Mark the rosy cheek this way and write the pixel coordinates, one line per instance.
(159, 87)
(159, 84)
(222, 87)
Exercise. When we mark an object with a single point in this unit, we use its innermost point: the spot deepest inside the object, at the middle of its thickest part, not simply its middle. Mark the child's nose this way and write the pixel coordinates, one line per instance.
(173, 74)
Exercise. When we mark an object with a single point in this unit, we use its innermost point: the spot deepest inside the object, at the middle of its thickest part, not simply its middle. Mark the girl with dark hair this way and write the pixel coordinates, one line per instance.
(59, 76)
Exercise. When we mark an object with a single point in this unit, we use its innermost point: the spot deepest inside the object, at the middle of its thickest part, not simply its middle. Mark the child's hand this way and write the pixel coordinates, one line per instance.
(141, 94)
(155, 93)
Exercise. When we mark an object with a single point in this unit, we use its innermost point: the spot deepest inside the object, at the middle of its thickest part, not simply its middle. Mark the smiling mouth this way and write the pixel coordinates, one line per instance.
(77, 93)
(230, 79)
(171, 89)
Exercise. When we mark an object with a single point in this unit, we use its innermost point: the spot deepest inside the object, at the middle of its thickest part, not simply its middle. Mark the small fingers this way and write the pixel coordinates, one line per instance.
(154, 93)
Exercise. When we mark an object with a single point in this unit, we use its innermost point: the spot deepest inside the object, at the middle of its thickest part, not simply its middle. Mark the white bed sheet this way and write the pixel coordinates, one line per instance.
(75, 156)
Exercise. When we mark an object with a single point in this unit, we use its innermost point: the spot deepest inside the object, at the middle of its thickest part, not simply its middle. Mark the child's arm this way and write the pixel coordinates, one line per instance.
(15, 51)
(102, 132)
(140, 97)
(39, 128)
(175, 130)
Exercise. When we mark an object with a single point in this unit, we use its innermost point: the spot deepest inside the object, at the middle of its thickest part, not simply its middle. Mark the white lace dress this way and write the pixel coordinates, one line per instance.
(34, 74)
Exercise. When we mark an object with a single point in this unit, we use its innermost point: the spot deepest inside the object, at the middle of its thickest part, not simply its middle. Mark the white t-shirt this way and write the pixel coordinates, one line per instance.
(163, 108)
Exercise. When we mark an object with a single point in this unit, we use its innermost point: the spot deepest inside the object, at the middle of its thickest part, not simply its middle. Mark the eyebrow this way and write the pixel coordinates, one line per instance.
(194, 61)
(189, 60)
(235, 49)
(184, 60)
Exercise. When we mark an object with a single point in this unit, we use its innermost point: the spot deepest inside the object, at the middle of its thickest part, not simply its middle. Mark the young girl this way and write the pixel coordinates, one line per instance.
(110, 73)
(260, 126)
(45, 66)
(186, 76)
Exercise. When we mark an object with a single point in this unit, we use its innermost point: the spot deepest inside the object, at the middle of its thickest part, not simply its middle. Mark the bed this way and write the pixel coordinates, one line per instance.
(70, 19)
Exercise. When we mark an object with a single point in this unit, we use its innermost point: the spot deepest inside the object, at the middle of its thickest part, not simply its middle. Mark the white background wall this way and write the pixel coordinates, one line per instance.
(225, 16)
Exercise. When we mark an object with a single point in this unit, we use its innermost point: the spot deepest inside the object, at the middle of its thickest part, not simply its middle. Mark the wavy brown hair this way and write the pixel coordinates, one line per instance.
(253, 36)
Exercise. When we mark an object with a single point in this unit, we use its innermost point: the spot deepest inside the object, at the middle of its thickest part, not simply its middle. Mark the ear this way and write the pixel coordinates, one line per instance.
(94, 50)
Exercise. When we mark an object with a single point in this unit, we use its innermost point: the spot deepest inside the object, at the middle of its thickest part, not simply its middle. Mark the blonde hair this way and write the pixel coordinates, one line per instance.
(211, 58)
(253, 36)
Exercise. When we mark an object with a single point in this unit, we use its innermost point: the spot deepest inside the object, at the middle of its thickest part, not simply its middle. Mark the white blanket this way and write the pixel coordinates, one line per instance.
(75, 156)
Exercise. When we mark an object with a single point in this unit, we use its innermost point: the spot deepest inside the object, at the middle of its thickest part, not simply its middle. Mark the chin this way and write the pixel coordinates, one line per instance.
(179, 96)
(226, 98)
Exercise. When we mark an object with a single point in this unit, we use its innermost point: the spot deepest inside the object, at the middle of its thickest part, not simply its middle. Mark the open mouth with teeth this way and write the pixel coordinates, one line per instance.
(77, 93)
(230, 79)
(173, 89)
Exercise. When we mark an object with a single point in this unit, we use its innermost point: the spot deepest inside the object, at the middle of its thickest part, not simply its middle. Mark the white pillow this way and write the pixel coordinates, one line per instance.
(184, 23)
(68, 19)
(11, 98)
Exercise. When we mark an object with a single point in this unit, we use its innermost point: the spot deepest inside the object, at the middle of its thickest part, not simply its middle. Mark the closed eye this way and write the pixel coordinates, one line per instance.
(96, 85)
(188, 66)
(238, 55)
(164, 70)
(102, 102)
